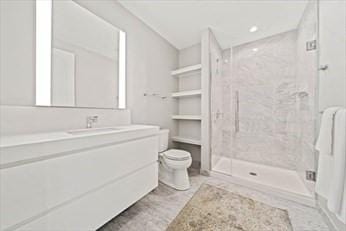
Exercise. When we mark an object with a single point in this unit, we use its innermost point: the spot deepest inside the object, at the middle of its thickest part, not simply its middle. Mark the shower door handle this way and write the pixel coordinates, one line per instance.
(236, 116)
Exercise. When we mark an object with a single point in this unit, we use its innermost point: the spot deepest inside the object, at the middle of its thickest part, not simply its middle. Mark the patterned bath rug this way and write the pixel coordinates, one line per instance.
(216, 209)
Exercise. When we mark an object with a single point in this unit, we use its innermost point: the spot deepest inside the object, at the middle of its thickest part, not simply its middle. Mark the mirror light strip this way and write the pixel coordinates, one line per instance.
(43, 51)
(122, 71)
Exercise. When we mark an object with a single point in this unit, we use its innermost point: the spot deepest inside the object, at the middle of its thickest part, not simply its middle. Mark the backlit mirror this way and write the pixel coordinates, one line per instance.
(80, 58)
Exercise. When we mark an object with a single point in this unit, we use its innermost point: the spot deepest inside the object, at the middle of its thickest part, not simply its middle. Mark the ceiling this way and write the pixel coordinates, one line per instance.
(182, 21)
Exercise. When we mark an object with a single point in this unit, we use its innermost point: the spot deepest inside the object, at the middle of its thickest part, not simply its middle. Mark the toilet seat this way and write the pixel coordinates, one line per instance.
(176, 154)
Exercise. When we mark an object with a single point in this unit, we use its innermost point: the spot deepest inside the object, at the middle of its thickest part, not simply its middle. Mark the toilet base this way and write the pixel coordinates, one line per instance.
(174, 178)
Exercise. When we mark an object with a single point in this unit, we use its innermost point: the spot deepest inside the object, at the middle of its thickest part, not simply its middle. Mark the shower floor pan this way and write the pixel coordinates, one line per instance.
(278, 181)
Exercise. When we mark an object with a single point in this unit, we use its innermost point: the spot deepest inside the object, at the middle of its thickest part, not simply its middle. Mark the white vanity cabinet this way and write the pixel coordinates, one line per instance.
(75, 182)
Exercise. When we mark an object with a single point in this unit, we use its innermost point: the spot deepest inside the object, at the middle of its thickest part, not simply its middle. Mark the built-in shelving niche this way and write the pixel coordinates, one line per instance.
(186, 140)
(187, 93)
(192, 71)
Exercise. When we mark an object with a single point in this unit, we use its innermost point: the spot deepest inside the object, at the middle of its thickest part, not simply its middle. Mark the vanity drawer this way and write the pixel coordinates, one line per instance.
(29, 190)
(97, 208)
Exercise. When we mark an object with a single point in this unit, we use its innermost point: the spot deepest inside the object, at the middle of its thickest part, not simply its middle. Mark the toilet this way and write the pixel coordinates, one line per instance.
(173, 164)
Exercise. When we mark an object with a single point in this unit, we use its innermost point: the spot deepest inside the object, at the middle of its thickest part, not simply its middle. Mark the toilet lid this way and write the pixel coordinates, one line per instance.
(176, 154)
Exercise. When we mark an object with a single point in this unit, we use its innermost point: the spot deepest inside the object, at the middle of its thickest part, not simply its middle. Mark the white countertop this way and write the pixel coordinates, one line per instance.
(35, 138)
(17, 149)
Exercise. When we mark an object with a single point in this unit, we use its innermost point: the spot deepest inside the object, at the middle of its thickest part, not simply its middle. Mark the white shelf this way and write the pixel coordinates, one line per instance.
(186, 117)
(186, 69)
(186, 140)
(186, 93)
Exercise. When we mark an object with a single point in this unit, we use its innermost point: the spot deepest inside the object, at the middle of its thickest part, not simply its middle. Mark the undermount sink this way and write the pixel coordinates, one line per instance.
(92, 130)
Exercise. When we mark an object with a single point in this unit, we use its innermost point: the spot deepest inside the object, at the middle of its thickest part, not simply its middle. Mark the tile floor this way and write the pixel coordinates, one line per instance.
(156, 210)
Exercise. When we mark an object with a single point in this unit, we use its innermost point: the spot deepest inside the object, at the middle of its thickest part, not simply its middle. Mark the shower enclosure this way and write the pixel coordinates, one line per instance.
(263, 108)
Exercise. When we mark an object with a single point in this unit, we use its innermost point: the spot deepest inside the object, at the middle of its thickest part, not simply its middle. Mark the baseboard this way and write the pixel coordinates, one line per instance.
(204, 172)
(331, 220)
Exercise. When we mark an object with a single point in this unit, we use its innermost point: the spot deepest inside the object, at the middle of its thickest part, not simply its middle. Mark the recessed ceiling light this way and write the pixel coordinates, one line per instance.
(254, 49)
(253, 29)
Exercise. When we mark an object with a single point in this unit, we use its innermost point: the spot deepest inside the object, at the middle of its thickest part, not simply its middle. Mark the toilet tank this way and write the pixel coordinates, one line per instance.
(163, 140)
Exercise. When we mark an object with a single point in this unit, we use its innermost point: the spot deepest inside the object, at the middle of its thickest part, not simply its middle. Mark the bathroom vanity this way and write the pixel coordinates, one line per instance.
(75, 180)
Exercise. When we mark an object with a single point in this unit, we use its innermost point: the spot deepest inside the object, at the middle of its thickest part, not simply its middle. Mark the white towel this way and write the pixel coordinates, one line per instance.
(324, 142)
(337, 182)
(342, 214)
(324, 175)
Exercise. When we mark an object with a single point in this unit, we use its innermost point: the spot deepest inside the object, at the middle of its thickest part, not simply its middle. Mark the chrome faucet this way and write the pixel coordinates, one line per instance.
(90, 120)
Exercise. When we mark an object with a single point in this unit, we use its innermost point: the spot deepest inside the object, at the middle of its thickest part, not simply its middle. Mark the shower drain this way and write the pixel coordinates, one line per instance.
(253, 173)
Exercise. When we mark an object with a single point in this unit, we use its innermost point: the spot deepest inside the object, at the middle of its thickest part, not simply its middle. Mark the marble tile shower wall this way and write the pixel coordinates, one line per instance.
(264, 76)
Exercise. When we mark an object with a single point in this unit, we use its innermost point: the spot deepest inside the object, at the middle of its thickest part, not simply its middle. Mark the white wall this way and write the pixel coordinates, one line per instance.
(17, 58)
(332, 82)
(150, 59)
(23, 119)
(332, 36)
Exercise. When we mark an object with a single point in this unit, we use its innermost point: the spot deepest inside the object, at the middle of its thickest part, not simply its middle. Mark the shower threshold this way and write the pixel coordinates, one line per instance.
(280, 182)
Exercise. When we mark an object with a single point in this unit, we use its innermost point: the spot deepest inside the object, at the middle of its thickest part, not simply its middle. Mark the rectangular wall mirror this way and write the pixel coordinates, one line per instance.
(80, 58)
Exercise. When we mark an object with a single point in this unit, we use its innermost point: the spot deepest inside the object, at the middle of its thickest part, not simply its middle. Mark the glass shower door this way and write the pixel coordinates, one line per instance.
(220, 115)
